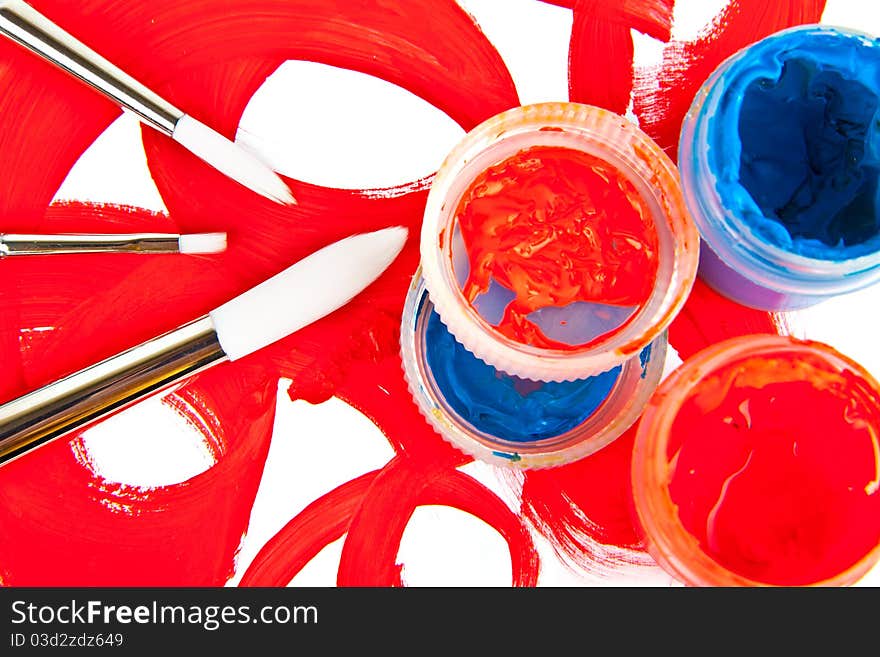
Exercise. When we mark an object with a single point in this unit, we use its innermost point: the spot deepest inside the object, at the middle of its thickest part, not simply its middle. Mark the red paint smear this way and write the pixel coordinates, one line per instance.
(708, 318)
(61, 523)
(557, 500)
(663, 95)
(524, 221)
(653, 17)
(600, 63)
(368, 556)
(319, 524)
(601, 49)
(380, 392)
(775, 468)
(565, 4)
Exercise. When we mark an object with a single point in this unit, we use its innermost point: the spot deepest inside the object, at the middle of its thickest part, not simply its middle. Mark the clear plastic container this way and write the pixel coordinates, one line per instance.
(660, 462)
(614, 412)
(748, 255)
(613, 339)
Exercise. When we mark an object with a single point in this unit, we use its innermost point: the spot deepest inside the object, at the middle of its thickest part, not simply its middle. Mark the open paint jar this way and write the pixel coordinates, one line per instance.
(757, 462)
(780, 160)
(511, 421)
(556, 244)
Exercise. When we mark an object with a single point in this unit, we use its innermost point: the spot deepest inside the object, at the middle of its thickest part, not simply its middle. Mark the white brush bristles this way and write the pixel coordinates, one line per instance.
(202, 243)
(305, 292)
(229, 158)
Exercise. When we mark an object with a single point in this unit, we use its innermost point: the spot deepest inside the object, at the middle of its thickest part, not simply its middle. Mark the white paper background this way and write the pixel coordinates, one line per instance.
(395, 138)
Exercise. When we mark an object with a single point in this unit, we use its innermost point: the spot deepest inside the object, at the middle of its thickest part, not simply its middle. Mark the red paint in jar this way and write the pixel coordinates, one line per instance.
(556, 226)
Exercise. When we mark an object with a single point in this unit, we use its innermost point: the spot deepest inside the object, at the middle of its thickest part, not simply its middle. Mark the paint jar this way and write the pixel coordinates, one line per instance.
(780, 158)
(556, 244)
(510, 421)
(757, 463)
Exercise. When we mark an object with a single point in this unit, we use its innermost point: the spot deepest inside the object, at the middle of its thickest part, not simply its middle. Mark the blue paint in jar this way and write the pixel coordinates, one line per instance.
(511, 421)
(780, 160)
(504, 405)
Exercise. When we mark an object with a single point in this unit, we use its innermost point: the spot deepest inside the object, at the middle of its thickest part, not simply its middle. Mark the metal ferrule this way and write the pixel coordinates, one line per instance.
(71, 403)
(28, 27)
(23, 244)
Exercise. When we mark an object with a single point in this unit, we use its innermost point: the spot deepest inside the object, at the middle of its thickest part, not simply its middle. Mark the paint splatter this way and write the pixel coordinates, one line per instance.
(60, 523)
(601, 49)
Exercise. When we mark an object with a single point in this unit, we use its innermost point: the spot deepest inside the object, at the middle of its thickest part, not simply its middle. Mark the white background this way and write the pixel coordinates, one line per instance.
(441, 546)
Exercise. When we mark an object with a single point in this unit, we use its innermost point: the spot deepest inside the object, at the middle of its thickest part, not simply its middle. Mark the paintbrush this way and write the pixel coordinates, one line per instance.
(15, 244)
(26, 26)
(305, 292)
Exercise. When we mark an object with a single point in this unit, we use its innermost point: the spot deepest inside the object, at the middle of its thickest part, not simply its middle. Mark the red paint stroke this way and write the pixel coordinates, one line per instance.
(300, 540)
(380, 392)
(565, 4)
(773, 465)
(652, 17)
(601, 48)
(330, 517)
(585, 503)
(61, 523)
(556, 226)
(370, 550)
(693, 329)
(663, 94)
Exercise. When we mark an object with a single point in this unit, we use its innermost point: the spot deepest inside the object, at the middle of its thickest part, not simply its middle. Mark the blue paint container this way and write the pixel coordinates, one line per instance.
(513, 421)
(780, 160)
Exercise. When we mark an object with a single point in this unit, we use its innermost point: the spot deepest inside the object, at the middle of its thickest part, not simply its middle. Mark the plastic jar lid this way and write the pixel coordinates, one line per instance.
(609, 138)
(602, 421)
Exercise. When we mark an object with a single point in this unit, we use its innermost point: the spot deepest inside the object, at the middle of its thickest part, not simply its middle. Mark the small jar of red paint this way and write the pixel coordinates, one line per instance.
(757, 463)
(555, 243)
(780, 160)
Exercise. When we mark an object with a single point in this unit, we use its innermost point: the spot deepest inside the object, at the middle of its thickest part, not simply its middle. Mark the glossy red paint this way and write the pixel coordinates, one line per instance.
(774, 467)
(557, 226)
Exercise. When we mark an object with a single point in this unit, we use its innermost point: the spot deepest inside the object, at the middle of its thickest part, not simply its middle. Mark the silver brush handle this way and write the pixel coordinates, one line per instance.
(71, 403)
(28, 27)
(26, 244)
